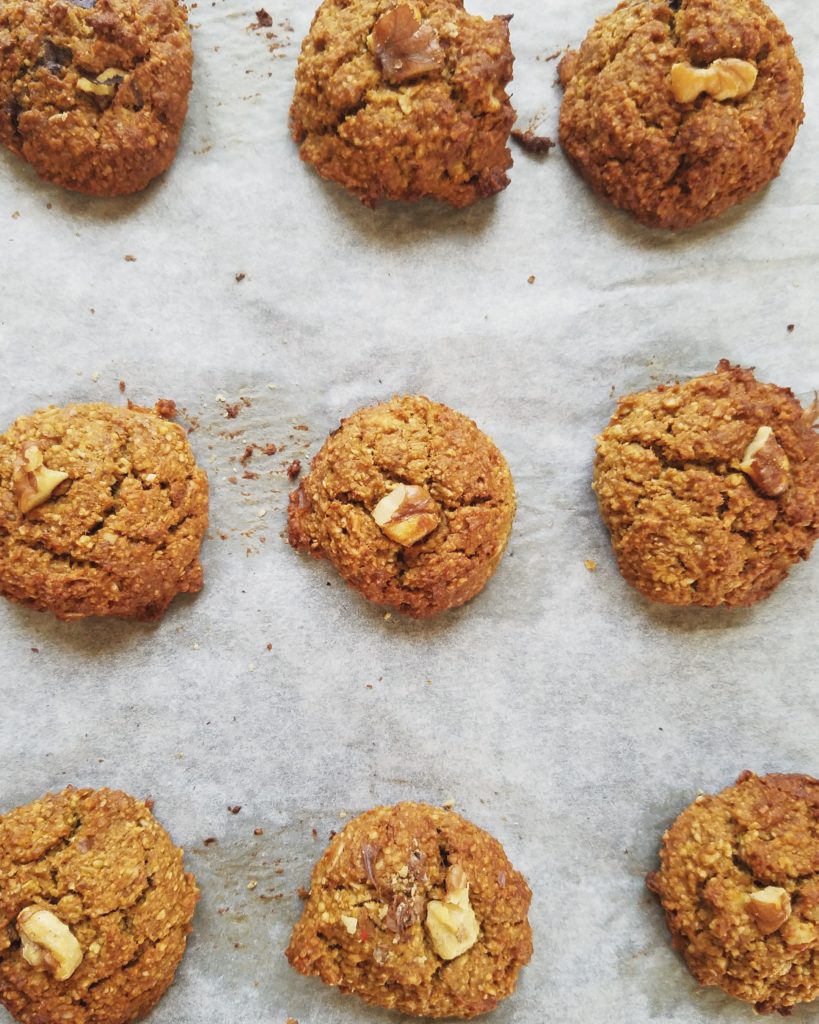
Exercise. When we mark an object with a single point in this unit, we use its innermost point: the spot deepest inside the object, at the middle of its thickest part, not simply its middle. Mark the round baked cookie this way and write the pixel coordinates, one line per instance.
(710, 488)
(93, 93)
(410, 502)
(657, 115)
(415, 909)
(739, 883)
(95, 909)
(405, 100)
(102, 512)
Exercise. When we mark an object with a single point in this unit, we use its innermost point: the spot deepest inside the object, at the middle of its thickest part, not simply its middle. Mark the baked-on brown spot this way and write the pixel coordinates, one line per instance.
(413, 441)
(443, 133)
(101, 863)
(382, 870)
(686, 525)
(103, 145)
(124, 538)
(672, 164)
(720, 851)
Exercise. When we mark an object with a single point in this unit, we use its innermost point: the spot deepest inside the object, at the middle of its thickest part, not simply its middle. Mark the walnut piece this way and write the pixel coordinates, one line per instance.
(31, 481)
(451, 923)
(105, 84)
(798, 933)
(725, 79)
(407, 514)
(770, 908)
(405, 47)
(766, 463)
(48, 944)
(350, 924)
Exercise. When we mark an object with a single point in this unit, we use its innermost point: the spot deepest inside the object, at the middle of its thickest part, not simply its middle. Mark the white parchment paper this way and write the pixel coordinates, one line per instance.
(559, 709)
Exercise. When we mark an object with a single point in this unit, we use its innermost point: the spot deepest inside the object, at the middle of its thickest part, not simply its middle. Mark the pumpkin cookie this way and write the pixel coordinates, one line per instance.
(93, 93)
(739, 883)
(102, 512)
(710, 488)
(95, 909)
(415, 909)
(400, 101)
(677, 111)
(410, 502)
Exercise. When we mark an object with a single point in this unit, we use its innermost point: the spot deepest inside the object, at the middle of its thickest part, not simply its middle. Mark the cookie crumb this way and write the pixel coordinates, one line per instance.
(232, 411)
(166, 408)
(530, 279)
(258, 831)
(234, 808)
(791, 328)
(263, 20)
(240, 276)
(210, 841)
(129, 258)
(294, 469)
(590, 564)
(529, 141)
(122, 387)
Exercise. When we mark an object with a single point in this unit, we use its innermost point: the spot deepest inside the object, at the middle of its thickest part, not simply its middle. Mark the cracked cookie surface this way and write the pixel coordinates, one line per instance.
(675, 164)
(442, 134)
(124, 537)
(363, 928)
(687, 525)
(724, 851)
(101, 863)
(413, 441)
(93, 93)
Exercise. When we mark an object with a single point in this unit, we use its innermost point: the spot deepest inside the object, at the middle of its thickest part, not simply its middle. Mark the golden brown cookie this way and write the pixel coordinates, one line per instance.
(93, 93)
(95, 909)
(415, 909)
(102, 512)
(410, 502)
(404, 100)
(677, 111)
(710, 488)
(739, 883)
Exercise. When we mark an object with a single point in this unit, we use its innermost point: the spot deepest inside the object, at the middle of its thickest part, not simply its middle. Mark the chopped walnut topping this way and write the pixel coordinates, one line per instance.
(451, 923)
(725, 79)
(48, 943)
(766, 463)
(407, 514)
(32, 482)
(105, 84)
(405, 47)
(770, 908)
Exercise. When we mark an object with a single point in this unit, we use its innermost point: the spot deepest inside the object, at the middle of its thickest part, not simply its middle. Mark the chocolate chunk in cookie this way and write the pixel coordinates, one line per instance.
(410, 502)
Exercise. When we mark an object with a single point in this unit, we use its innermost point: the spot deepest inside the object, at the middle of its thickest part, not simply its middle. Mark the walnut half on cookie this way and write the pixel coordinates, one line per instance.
(412, 504)
(102, 512)
(676, 111)
(405, 100)
(709, 488)
(95, 909)
(415, 909)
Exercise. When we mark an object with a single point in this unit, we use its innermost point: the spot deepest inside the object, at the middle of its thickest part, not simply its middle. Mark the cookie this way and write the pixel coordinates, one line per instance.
(401, 101)
(415, 909)
(677, 111)
(410, 502)
(739, 883)
(93, 93)
(102, 512)
(710, 488)
(95, 909)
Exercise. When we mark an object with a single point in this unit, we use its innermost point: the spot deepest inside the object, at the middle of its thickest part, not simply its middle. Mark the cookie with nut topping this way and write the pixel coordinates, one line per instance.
(405, 100)
(102, 512)
(412, 504)
(739, 883)
(415, 909)
(95, 909)
(94, 93)
(678, 110)
(710, 488)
